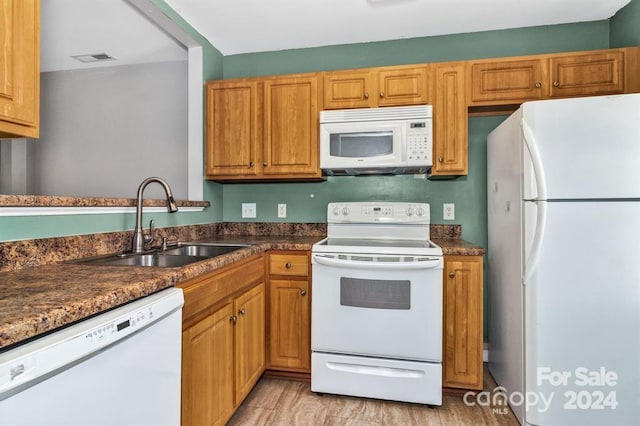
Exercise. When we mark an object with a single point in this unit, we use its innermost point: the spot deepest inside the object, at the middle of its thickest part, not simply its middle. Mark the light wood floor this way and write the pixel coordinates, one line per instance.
(285, 402)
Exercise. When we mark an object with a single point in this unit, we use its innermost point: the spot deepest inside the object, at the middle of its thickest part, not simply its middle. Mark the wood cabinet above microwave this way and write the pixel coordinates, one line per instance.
(373, 87)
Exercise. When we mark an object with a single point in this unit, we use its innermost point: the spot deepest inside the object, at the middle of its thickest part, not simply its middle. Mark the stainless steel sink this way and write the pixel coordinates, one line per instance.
(175, 256)
(202, 250)
(149, 259)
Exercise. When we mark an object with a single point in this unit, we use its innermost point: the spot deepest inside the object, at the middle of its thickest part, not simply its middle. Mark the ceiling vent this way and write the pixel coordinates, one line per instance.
(94, 57)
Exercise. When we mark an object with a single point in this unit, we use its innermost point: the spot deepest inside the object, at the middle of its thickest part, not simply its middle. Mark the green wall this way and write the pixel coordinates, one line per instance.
(625, 26)
(487, 44)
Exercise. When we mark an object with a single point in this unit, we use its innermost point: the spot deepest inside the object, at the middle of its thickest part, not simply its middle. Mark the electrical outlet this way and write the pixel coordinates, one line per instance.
(248, 210)
(449, 211)
(282, 210)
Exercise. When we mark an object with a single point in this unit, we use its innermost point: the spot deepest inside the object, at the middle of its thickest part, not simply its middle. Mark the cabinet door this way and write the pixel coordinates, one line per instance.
(403, 86)
(249, 340)
(462, 335)
(19, 67)
(291, 127)
(348, 89)
(584, 75)
(207, 380)
(507, 82)
(450, 149)
(289, 325)
(233, 128)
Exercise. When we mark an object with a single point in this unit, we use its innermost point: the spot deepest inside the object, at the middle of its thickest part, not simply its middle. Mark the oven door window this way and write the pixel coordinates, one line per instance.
(375, 294)
(361, 144)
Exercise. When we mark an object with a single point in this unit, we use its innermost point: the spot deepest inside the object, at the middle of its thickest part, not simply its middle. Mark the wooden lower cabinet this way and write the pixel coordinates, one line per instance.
(462, 322)
(289, 304)
(289, 323)
(223, 341)
(207, 372)
(249, 310)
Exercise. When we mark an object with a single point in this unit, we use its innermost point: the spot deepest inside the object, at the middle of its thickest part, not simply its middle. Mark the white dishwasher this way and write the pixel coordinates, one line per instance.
(121, 367)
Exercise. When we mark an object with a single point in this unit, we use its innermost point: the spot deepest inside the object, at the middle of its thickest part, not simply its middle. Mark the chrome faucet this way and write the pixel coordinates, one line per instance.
(140, 239)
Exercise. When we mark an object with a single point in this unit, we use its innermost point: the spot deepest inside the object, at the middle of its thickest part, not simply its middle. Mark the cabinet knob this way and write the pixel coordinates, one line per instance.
(556, 84)
(264, 164)
(303, 292)
(382, 94)
(452, 274)
(251, 164)
(287, 265)
(366, 95)
(233, 319)
(538, 84)
(242, 312)
(440, 159)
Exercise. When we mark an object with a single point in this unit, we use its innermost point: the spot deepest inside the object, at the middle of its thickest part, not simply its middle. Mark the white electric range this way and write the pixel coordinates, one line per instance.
(376, 328)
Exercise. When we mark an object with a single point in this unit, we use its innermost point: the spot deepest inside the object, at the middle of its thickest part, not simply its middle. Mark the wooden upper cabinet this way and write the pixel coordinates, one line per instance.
(233, 128)
(588, 74)
(450, 147)
(348, 89)
(19, 68)
(507, 82)
(511, 81)
(373, 87)
(263, 129)
(403, 86)
(290, 145)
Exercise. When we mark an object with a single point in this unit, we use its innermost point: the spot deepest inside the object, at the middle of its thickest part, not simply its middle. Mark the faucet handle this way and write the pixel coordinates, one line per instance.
(148, 238)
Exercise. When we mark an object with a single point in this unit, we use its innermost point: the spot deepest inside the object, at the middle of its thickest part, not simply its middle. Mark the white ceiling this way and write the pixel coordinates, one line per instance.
(243, 26)
(78, 27)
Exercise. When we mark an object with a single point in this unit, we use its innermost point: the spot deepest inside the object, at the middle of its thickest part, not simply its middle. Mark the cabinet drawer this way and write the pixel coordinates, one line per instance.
(203, 293)
(288, 264)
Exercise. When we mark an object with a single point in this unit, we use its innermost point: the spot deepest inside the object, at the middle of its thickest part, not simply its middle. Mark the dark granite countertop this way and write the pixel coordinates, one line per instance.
(37, 300)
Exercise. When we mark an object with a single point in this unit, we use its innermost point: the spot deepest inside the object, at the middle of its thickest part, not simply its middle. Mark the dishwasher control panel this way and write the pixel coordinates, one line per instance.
(122, 326)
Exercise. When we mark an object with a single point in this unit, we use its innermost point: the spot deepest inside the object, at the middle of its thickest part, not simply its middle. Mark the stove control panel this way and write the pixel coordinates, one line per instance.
(369, 212)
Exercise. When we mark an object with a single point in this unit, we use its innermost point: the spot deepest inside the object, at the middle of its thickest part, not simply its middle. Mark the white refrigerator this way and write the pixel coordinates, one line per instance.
(563, 189)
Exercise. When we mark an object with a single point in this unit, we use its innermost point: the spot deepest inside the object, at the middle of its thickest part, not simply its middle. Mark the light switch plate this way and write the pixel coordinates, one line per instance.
(249, 210)
(449, 211)
(282, 210)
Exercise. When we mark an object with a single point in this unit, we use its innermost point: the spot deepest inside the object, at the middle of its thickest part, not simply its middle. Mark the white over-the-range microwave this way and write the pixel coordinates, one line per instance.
(394, 140)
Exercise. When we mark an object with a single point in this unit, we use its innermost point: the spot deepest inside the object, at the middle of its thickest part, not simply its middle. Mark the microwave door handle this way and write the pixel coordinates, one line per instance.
(432, 263)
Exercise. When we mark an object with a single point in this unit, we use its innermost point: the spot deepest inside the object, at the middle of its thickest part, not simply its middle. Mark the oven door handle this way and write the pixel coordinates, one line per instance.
(431, 263)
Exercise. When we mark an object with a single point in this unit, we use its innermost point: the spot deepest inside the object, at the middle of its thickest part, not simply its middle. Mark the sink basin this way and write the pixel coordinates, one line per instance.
(202, 250)
(152, 259)
(174, 257)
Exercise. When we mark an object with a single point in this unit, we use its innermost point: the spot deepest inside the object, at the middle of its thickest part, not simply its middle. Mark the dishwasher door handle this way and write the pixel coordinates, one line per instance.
(427, 263)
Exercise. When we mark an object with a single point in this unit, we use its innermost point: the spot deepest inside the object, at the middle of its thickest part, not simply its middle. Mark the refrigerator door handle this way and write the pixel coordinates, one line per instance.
(541, 220)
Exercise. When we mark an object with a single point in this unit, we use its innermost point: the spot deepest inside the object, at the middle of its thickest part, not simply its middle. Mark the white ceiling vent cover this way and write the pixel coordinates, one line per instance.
(94, 57)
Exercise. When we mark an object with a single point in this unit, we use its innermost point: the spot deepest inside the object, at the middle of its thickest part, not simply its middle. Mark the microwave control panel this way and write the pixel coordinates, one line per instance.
(419, 145)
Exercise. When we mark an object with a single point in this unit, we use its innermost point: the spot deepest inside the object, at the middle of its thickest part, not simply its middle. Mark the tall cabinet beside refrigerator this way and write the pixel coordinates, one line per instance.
(563, 192)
